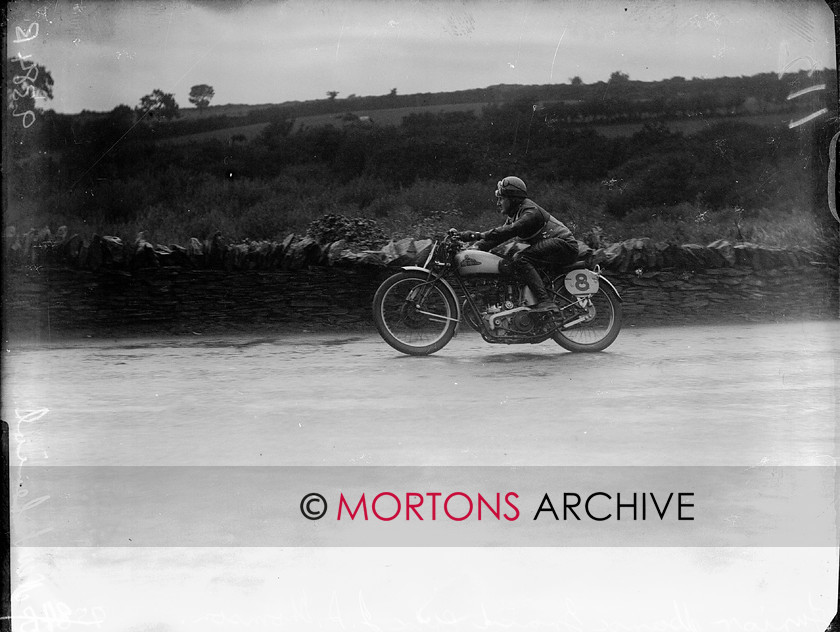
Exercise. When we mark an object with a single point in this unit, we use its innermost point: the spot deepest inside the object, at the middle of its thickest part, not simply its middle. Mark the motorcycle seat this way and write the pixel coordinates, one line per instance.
(577, 265)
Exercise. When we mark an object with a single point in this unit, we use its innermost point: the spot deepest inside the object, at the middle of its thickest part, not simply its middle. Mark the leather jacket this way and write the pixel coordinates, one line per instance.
(531, 223)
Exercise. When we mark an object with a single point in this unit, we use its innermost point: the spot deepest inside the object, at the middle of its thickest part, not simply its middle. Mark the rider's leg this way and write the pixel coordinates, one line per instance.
(526, 271)
(544, 253)
(551, 252)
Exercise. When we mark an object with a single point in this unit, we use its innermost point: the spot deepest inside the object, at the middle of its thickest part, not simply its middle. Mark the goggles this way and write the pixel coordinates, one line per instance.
(501, 185)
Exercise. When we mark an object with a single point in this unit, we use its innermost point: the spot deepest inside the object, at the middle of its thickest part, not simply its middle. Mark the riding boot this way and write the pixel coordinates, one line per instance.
(534, 281)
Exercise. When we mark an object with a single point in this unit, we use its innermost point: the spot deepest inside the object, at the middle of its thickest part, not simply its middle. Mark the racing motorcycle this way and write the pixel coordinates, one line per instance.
(417, 310)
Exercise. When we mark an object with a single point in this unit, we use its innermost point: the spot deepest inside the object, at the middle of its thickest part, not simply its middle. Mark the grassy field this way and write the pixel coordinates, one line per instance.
(395, 116)
(248, 131)
(693, 125)
(386, 117)
(392, 116)
(231, 109)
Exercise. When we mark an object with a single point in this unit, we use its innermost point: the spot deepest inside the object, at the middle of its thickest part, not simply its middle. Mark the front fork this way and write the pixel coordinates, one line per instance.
(418, 295)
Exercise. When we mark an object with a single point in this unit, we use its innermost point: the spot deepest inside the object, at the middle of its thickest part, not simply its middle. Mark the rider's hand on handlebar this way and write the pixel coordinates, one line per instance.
(468, 235)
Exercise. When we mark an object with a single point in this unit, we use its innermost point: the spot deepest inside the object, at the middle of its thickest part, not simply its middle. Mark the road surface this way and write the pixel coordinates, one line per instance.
(731, 396)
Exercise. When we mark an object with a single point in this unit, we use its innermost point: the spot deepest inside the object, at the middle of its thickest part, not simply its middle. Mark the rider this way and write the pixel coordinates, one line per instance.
(550, 241)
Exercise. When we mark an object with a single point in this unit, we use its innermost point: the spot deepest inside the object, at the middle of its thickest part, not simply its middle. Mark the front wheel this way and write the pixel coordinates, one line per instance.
(413, 314)
(594, 324)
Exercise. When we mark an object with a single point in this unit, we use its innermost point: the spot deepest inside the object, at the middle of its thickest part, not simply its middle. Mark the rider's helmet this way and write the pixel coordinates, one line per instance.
(511, 187)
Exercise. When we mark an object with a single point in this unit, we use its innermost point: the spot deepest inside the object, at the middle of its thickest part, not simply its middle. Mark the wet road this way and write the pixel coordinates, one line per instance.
(751, 395)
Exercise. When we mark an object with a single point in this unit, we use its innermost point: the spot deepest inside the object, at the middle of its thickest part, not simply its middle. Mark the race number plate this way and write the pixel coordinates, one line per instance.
(581, 282)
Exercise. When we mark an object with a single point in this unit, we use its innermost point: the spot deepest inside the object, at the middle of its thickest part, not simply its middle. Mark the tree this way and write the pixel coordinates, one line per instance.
(200, 95)
(99, 133)
(393, 92)
(332, 94)
(158, 104)
(27, 82)
(619, 77)
(576, 81)
(120, 119)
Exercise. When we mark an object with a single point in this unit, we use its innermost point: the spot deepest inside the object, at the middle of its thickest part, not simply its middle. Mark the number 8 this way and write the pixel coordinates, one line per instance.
(581, 282)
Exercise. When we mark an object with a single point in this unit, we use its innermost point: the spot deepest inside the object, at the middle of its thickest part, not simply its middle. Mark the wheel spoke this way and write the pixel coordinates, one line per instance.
(438, 318)
(591, 323)
(415, 314)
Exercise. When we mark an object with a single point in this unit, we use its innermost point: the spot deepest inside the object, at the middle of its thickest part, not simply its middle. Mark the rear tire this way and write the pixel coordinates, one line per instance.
(414, 315)
(603, 322)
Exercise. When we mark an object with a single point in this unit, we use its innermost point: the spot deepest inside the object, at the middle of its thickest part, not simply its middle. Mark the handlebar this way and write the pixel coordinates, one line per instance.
(459, 235)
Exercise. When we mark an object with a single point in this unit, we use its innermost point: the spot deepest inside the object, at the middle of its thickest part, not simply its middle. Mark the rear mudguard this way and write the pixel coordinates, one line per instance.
(444, 283)
(608, 282)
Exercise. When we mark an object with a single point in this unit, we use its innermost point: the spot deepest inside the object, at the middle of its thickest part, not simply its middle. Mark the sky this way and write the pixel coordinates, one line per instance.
(104, 54)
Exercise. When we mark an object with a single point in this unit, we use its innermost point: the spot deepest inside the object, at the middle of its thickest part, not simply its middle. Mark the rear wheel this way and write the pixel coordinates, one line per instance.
(598, 319)
(413, 314)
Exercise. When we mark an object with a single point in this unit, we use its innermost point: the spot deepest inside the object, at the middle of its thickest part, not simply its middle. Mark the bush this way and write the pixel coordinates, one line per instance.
(358, 231)
(362, 192)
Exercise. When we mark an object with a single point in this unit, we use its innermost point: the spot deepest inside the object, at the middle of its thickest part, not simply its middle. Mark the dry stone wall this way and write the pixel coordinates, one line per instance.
(60, 285)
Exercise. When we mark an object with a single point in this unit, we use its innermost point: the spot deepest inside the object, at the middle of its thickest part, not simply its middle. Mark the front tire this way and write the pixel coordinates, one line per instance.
(413, 314)
(601, 324)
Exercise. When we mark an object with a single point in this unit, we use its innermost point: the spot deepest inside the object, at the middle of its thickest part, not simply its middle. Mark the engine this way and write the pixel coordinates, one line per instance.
(501, 310)
(515, 321)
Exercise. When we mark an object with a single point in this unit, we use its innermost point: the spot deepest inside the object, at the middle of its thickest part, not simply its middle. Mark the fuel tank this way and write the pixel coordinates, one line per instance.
(471, 262)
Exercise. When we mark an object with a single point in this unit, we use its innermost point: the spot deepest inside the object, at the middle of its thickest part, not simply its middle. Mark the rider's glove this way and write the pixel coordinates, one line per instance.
(468, 235)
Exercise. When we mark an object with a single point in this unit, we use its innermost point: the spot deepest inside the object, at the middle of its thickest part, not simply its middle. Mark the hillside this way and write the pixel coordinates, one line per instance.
(767, 87)
(693, 160)
(619, 100)
(386, 117)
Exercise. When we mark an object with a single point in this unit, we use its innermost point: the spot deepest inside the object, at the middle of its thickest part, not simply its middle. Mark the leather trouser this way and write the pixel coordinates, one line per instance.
(545, 253)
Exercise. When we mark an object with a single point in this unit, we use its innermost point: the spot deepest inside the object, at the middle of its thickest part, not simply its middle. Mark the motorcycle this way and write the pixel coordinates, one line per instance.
(417, 310)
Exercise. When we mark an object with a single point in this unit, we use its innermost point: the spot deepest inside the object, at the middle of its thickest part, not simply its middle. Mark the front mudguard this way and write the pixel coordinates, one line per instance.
(443, 282)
